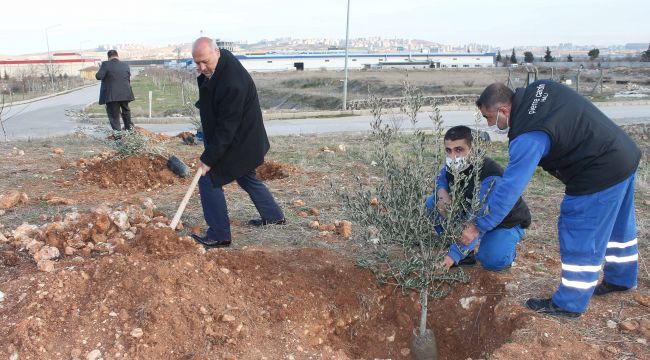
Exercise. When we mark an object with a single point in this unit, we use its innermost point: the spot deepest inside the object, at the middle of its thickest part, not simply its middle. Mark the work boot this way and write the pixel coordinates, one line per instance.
(605, 288)
(203, 240)
(546, 306)
(264, 222)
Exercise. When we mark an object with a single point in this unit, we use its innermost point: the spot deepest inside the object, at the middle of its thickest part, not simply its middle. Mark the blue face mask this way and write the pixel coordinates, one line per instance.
(495, 128)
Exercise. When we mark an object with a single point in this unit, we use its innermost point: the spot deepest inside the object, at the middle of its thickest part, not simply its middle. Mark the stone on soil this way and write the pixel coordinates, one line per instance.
(628, 325)
(45, 265)
(642, 299)
(11, 199)
(94, 355)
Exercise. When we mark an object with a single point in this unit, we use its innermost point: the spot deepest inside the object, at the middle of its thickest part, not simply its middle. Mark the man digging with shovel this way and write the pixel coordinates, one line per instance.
(234, 138)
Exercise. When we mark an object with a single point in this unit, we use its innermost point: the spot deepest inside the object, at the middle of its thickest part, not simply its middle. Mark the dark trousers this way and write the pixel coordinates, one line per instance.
(116, 108)
(215, 210)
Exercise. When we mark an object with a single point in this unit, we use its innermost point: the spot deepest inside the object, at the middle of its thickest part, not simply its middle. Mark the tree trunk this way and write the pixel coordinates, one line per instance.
(423, 342)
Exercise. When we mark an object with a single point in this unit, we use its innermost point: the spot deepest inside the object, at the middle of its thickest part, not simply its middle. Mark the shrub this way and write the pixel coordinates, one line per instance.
(128, 143)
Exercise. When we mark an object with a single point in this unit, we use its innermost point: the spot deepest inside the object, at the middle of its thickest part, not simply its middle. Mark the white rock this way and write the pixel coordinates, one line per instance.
(47, 253)
(612, 324)
(94, 355)
(466, 303)
(25, 232)
(148, 204)
(227, 318)
(45, 265)
(510, 287)
(120, 219)
(128, 235)
(137, 332)
(33, 246)
(3, 239)
(70, 218)
(2, 296)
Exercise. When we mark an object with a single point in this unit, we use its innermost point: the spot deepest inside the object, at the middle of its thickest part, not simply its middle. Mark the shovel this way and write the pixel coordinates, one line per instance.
(187, 197)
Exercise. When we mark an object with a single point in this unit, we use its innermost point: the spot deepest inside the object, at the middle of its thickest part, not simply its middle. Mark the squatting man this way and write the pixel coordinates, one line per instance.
(497, 246)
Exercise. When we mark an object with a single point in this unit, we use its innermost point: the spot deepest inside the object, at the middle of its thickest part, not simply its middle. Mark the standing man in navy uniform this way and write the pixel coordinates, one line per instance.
(554, 127)
(234, 138)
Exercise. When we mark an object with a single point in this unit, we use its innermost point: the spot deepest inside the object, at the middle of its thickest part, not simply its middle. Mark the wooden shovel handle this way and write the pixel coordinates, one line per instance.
(187, 197)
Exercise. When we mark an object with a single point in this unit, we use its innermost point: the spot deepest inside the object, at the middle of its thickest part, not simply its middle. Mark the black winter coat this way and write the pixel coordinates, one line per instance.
(234, 134)
(116, 82)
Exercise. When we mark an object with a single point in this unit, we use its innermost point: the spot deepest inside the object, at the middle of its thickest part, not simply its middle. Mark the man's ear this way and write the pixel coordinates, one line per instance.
(507, 110)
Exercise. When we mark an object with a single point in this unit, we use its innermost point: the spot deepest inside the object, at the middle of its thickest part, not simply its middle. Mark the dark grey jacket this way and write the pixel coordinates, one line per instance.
(116, 82)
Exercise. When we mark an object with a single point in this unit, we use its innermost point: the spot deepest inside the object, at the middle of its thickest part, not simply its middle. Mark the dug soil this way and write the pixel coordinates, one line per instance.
(138, 172)
(160, 296)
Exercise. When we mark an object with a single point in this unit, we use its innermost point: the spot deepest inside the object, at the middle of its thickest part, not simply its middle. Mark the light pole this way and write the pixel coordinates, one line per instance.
(49, 57)
(345, 82)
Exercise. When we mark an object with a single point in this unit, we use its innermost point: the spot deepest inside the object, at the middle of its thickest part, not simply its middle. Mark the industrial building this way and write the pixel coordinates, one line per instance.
(67, 63)
(336, 61)
(74, 64)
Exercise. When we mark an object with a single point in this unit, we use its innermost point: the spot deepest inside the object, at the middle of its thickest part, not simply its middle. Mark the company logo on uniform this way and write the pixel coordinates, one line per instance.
(540, 98)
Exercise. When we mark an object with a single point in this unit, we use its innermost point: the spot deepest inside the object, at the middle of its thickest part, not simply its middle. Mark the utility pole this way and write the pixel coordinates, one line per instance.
(49, 57)
(345, 82)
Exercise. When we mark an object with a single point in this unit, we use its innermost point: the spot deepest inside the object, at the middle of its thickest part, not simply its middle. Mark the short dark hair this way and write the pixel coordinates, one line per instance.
(495, 94)
(111, 53)
(459, 132)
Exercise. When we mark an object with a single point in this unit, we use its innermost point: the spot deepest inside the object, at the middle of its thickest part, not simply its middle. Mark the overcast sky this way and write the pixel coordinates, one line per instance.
(506, 23)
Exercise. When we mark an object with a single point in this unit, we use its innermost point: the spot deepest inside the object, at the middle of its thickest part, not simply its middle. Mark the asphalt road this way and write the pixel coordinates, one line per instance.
(48, 117)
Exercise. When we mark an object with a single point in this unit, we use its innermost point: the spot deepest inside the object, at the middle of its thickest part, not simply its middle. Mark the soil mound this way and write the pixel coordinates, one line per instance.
(272, 170)
(134, 172)
(155, 137)
(162, 241)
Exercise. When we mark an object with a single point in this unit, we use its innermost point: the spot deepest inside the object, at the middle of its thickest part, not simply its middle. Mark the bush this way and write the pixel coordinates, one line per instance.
(128, 143)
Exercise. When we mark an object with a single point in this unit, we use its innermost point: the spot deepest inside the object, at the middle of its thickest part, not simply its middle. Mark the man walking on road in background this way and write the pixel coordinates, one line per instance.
(554, 127)
(116, 90)
(234, 138)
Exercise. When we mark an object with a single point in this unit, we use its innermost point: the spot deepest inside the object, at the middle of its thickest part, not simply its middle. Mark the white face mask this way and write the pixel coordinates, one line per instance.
(458, 164)
(495, 128)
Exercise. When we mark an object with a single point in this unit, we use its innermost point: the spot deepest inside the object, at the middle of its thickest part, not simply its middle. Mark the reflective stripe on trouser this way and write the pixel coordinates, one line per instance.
(593, 228)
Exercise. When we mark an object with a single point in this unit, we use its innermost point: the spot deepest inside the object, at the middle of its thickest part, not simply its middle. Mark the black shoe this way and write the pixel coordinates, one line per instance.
(467, 261)
(546, 306)
(605, 288)
(264, 222)
(203, 240)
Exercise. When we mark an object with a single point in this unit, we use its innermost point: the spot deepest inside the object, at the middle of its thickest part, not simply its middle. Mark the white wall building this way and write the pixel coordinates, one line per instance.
(336, 61)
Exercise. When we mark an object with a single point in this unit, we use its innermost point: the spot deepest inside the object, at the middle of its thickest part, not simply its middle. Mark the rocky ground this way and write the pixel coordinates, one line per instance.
(89, 268)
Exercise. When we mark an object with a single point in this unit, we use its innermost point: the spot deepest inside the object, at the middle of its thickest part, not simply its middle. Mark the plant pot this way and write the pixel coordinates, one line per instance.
(423, 346)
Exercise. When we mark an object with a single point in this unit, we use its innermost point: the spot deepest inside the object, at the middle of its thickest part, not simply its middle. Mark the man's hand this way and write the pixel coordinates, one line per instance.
(470, 233)
(204, 168)
(448, 262)
(443, 201)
